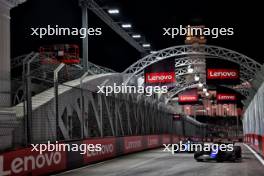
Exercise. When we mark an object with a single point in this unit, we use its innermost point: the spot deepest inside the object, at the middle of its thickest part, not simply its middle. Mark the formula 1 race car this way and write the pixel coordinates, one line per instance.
(219, 155)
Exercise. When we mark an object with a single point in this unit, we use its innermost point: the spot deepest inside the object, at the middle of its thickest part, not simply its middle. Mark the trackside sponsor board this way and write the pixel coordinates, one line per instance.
(226, 97)
(188, 96)
(175, 139)
(133, 143)
(161, 73)
(166, 139)
(160, 77)
(74, 158)
(27, 162)
(229, 76)
(108, 150)
(153, 141)
(222, 74)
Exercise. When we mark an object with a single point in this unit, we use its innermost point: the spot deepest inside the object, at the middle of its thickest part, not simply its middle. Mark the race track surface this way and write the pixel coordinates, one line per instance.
(159, 163)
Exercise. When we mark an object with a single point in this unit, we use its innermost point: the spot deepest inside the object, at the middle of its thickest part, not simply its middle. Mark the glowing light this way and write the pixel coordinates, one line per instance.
(113, 11)
(136, 36)
(196, 78)
(126, 25)
(200, 84)
(146, 45)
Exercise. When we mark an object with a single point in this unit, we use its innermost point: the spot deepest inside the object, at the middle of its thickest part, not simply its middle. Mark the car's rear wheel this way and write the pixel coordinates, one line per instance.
(237, 150)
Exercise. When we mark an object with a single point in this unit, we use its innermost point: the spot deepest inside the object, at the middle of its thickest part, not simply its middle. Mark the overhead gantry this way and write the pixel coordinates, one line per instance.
(190, 55)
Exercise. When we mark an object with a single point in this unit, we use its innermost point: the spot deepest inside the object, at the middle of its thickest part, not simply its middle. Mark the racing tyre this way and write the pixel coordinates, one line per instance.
(237, 150)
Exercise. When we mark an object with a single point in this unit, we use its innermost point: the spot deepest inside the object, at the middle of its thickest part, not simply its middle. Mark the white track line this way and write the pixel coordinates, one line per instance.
(256, 155)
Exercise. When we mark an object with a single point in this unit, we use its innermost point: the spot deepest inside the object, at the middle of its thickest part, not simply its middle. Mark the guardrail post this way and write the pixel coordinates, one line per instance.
(56, 96)
(28, 104)
(82, 105)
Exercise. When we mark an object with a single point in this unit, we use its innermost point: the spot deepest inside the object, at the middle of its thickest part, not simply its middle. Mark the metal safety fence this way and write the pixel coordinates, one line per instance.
(59, 103)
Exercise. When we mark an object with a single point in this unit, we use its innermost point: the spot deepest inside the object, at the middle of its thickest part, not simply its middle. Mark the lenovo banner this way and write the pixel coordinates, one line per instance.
(189, 96)
(133, 143)
(153, 141)
(108, 146)
(27, 162)
(161, 77)
(222, 72)
(166, 139)
(175, 139)
(226, 97)
(160, 73)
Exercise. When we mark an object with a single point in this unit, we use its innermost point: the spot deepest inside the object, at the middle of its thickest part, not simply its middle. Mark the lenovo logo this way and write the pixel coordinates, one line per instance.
(226, 97)
(188, 98)
(161, 77)
(153, 141)
(24, 164)
(106, 149)
(222, 74)
(133, 145)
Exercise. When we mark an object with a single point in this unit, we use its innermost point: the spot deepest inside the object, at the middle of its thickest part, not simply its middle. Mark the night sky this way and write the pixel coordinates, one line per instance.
(147, 17)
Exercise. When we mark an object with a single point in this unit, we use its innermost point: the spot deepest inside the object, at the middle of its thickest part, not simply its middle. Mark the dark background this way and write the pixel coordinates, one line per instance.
(147, 17)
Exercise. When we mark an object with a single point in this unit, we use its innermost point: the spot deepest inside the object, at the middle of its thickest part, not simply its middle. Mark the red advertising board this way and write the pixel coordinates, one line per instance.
(160, 73)
(25, 162)
(166, 139)
(187, 98)
(153, 141)
(222, 73)
(175, 139)
(133, 143)
(108, 146)
(160, 77)
(226, 97)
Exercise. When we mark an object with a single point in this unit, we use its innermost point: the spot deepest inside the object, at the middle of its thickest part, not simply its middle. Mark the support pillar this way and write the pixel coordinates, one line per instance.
(5, 70)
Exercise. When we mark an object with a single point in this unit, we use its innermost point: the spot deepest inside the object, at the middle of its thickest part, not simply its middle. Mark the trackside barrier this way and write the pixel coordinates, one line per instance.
(109, 150)
(26, 162)
(256, 142)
